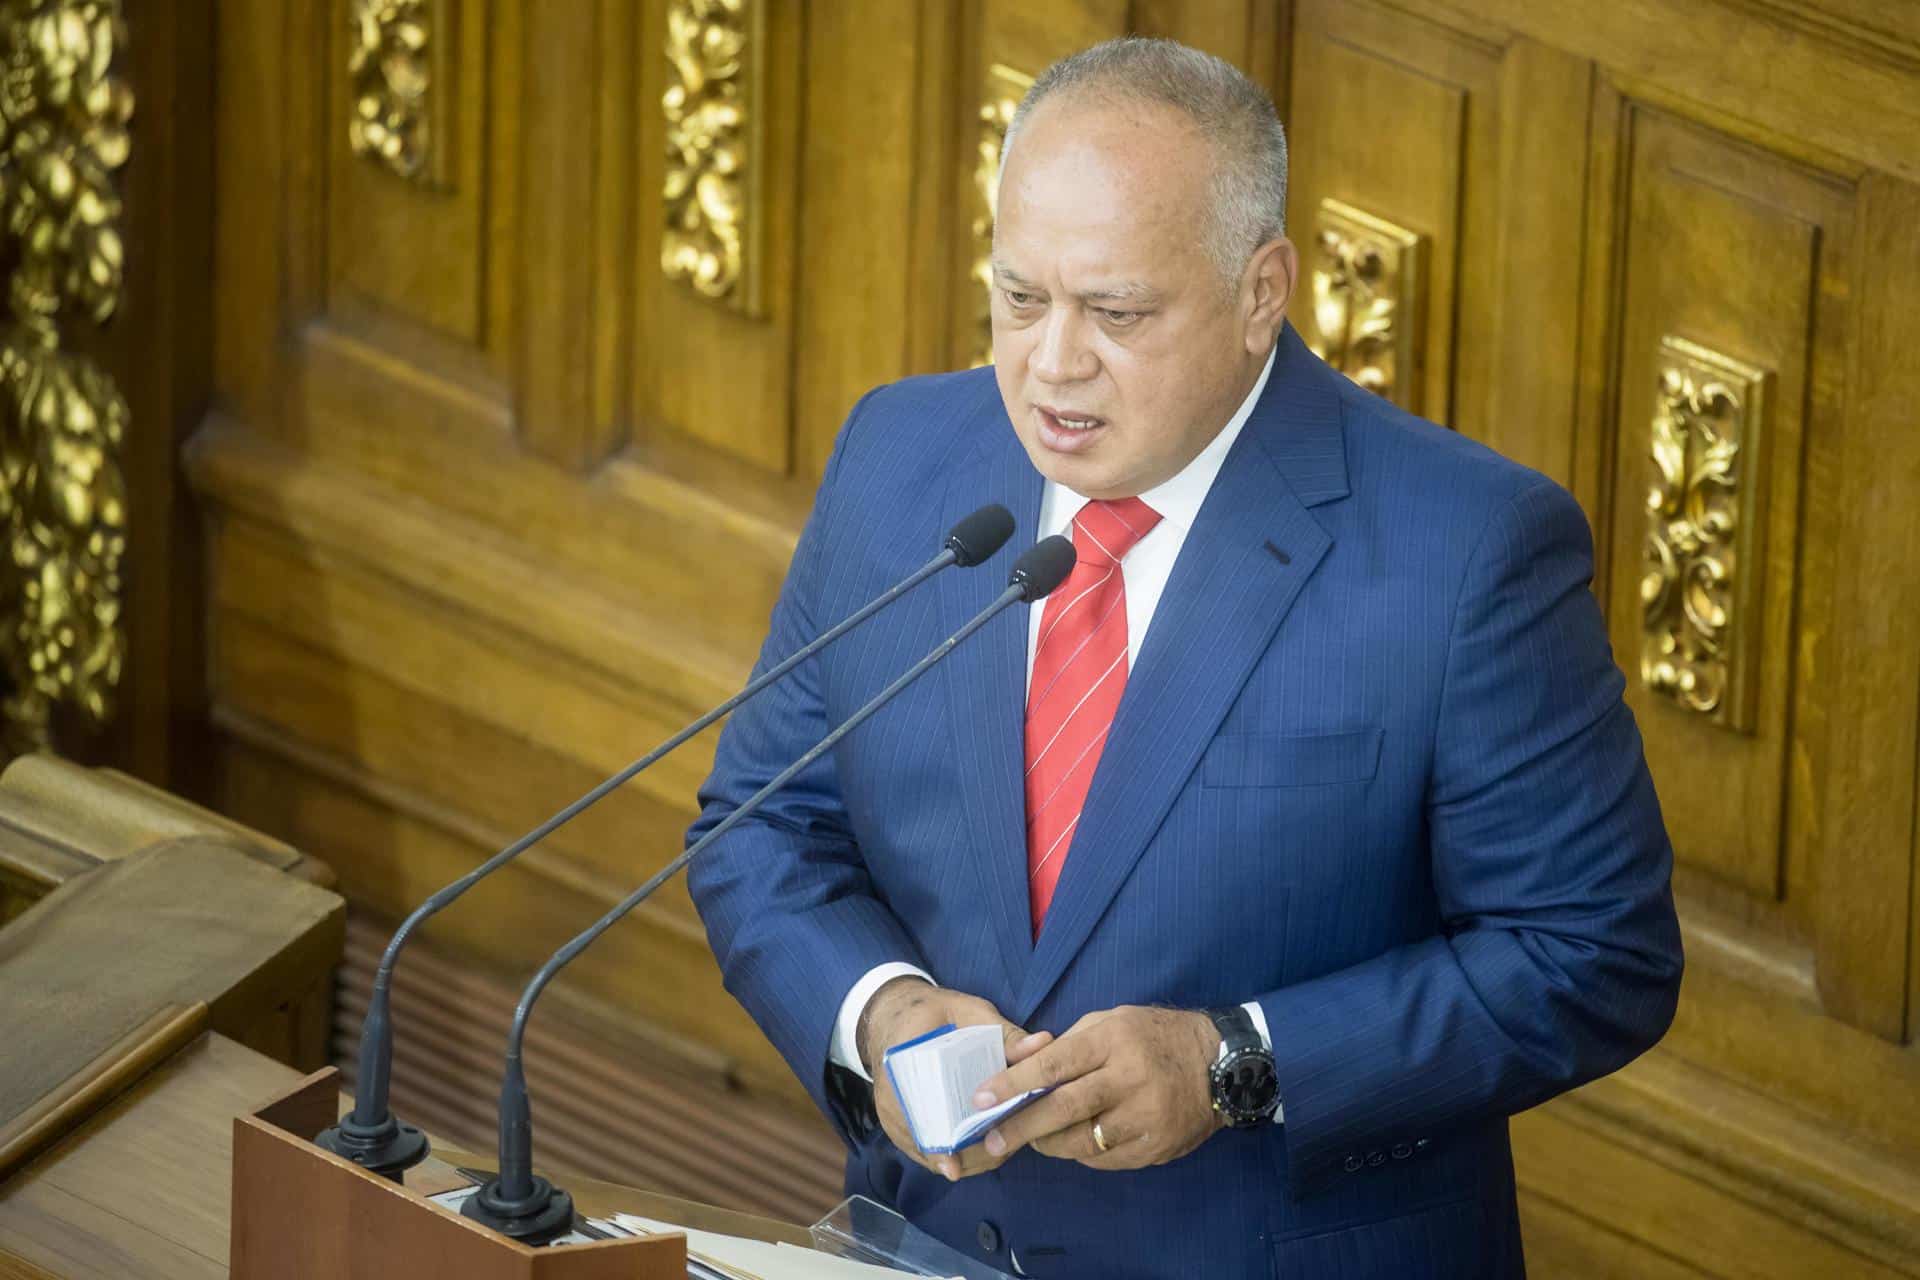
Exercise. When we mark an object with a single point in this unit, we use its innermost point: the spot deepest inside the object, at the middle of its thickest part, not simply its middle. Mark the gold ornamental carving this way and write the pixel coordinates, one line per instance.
(398, 55)
(1698, 586)
(712, 187)
(63, 137)
(1367, 276)
(1005, 87)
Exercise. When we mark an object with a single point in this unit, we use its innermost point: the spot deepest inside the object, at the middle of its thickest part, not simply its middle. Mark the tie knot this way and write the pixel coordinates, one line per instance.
(1105, 531)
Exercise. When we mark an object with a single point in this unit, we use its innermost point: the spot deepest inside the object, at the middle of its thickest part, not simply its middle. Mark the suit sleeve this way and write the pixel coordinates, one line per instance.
(789, 908)
(1559, 954)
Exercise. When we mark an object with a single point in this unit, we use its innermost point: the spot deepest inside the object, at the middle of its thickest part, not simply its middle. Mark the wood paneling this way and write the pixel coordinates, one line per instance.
(1732, 250)
(868, 254)
(160, 350)
(495, 505)
(703, 371)
(415, 249)
(1388, 135)
(1459, 133)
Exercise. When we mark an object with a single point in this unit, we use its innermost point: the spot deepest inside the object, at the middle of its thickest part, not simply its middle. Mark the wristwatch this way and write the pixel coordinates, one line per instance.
(1245, 1088)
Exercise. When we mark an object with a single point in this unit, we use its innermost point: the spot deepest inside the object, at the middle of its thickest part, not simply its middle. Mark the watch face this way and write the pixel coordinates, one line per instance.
(1248, 1086)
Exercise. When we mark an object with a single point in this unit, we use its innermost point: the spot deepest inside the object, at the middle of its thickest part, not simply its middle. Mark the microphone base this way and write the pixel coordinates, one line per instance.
(542, 1217)
(388, 1149)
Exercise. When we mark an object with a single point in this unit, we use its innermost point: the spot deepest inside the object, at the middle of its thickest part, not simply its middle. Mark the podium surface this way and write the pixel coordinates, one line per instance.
(143, 1187)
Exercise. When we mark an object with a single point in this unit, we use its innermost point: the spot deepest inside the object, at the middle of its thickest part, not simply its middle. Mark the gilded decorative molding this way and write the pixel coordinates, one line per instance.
(712, 185)
(1697, 591)
(64, 114)
(1004, 89)
(398, 62)
(1367, 276)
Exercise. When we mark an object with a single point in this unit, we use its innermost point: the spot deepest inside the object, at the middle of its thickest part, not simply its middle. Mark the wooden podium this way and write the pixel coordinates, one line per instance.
(144, 940)
(301, 1213)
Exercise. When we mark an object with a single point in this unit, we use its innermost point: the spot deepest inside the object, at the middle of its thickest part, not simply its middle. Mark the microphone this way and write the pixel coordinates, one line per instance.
(371, 1136)
(531, 1209)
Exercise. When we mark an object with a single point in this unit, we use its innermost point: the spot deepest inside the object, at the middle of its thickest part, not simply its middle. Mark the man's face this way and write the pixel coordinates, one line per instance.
(1119, 350)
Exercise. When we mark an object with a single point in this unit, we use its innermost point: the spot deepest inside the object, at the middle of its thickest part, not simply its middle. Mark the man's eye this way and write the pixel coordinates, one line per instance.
(1018, 299)
(1120, 319)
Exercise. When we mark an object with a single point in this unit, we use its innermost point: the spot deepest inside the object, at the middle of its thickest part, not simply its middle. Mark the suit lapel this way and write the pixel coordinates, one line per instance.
(986, 689)
(1222, 606)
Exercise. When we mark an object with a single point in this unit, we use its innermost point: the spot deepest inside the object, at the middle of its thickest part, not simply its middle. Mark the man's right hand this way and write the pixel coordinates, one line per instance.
(907, 1007)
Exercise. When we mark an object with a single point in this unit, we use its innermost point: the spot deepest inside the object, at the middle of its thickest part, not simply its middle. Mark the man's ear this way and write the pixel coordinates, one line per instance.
(1271, 273)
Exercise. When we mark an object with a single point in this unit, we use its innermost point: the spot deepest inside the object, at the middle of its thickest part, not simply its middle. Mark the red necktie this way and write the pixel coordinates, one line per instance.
(1079, 673)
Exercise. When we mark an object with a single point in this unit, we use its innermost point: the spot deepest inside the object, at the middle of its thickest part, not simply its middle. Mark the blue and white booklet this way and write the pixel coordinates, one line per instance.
(935, 1076)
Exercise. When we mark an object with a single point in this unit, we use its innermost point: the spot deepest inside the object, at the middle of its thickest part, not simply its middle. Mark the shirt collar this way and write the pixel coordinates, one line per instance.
(1178, 499)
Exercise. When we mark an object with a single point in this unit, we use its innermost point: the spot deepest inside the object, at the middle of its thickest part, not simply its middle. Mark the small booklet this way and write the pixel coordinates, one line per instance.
(935, 1077)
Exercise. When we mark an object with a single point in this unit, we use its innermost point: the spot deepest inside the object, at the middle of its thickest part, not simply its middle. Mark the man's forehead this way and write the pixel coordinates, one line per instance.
(1099, 174)
(1119, 137)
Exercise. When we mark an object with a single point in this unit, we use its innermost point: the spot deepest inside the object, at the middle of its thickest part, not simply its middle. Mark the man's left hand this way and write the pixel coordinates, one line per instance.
(1140, 1073)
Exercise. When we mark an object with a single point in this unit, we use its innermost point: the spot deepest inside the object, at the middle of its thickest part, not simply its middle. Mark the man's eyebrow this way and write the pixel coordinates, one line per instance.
(1131, 291)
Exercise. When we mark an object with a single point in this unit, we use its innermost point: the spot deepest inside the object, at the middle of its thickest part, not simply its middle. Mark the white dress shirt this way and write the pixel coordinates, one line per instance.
(1145, 570)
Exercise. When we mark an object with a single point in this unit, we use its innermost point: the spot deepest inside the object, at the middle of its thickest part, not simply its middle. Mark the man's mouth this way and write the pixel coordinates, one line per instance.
(1067, 432)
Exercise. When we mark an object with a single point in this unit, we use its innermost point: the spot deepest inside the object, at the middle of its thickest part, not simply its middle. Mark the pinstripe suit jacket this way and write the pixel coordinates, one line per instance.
(1372, 768)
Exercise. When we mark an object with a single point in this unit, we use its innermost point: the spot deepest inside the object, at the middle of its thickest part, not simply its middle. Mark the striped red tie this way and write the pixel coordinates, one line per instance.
(1079, 673)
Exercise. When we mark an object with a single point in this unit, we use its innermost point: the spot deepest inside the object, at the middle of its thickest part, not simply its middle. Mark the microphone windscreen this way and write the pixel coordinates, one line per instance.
(981, 534)
(1042, 567)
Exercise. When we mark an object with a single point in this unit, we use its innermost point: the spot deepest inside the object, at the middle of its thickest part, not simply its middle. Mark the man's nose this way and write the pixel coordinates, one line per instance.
(1063, 353)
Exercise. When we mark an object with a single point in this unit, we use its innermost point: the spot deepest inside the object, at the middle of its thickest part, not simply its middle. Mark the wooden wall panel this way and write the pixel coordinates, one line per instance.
(706, 372)
(881, 92)
(1867, 632)
(414, 247)
(1459, 133)
(1729, 249)
(567, 316)
(1387, 134)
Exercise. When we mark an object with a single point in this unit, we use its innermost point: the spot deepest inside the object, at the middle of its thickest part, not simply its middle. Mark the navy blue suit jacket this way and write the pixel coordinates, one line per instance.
(1372, 768)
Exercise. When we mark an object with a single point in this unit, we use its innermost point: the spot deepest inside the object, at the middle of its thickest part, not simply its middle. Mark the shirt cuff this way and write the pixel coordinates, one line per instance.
(1259, 1017)
(845, 1050)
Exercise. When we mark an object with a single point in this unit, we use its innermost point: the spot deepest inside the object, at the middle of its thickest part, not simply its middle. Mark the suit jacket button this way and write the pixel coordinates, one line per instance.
(1376, 1158)
(1353, 1164)
(1401, 1150)
(988, 1236)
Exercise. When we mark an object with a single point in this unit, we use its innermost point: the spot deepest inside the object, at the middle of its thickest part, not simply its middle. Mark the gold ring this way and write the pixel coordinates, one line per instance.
(1100, 1138)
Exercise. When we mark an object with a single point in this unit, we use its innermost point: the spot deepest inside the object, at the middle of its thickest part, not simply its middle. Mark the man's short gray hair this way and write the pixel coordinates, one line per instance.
(1235, 115)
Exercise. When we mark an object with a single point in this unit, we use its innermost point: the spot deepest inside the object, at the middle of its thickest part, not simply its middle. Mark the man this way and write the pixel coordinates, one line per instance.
(1318, 763)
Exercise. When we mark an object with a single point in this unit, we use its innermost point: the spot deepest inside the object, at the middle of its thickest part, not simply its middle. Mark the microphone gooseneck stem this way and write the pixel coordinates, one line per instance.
(516, 1154)
(376, 1036)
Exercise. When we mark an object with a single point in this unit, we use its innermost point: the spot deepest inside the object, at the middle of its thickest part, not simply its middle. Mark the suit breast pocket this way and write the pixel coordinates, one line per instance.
(1285, 760)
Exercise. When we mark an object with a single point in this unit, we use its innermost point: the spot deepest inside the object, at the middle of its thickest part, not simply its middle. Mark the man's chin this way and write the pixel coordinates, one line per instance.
(1081, 473)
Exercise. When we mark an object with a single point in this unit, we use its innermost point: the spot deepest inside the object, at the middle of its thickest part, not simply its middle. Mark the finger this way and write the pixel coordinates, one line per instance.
(1022, 1045)
(1135, 1153)
(976, 1159)
(894, 1124)
(1128, 1128)
(1048, 1067)
(904, 1143)
(1079, 1141)
(1071, 1105)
